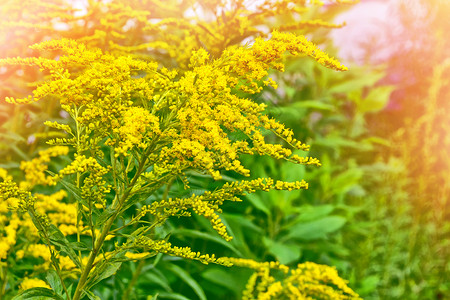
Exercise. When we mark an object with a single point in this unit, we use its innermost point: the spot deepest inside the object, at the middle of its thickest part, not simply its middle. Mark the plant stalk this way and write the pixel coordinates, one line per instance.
(99, 242)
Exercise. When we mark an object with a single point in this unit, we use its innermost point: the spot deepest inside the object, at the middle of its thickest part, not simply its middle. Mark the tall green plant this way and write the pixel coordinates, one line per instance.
(137, 125)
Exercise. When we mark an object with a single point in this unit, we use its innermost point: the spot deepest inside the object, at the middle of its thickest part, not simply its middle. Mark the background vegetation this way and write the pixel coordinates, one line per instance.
(377, 208)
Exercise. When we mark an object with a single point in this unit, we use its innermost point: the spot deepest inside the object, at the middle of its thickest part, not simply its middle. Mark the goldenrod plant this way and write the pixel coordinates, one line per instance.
(307, 281)
(152, 93)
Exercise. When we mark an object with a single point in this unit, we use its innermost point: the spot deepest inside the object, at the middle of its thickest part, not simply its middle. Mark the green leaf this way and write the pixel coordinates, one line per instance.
(73, 190)
(10, 165)
(57, 238)
(54, 281)
(343, 182)
(316, 229)
(106, 270)
(314, 104)
(284, 253)
(287, 113)
(79, 246)
(37, 293)
(222, 278)
(104, 216)
(356, 84)
(242, 221)
(335, 249)
(378, 140)
(236, 226)
(309, 212)
(258, 203)
(69, 289)
(91, 295)
(136, 198)
(183, 275)
(293, 172)
(369, 285)
(157, 279)
(175, 296)
(157, 259)
(376, 100)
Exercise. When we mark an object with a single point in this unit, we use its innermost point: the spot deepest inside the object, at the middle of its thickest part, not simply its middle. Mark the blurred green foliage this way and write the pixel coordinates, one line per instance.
(356, 215)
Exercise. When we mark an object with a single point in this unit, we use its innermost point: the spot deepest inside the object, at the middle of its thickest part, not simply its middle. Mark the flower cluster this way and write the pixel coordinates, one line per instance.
(35, 169)
(14, 201)
(139, 126)
(307, 281)
(162, 246)
(29, 283)
(253, 64)
(63, 215)
(45, 209)
(9, 239)
(15, 197)
(208, 204)
(94, 187)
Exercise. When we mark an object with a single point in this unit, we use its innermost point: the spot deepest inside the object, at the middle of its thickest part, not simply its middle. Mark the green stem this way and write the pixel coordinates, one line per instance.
(99, 242)
(92, 256)
(46, 239)
(134, 279)
(80, 206)
(91, 224)
(4, 272)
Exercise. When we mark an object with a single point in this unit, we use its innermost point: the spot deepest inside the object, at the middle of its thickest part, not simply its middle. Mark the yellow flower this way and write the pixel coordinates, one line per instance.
(94, 186)
(35, 169)
(4, 175)
(138, 129)
(162, 246)
(133, 256)
(29, 283)
(307, 281)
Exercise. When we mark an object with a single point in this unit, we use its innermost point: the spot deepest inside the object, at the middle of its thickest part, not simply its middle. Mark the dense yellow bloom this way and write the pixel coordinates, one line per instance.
(35, 169)
(44, 208)
(4, 175)
(39, 250)
(29, 283)
(94, 187)
(63, 215)
(196, 107)
(8, 239)
(15, 197)
(307, 281)
(66, 263)
(139, 126)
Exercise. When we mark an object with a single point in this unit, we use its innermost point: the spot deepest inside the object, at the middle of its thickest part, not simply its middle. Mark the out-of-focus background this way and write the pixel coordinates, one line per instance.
(379, 207)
